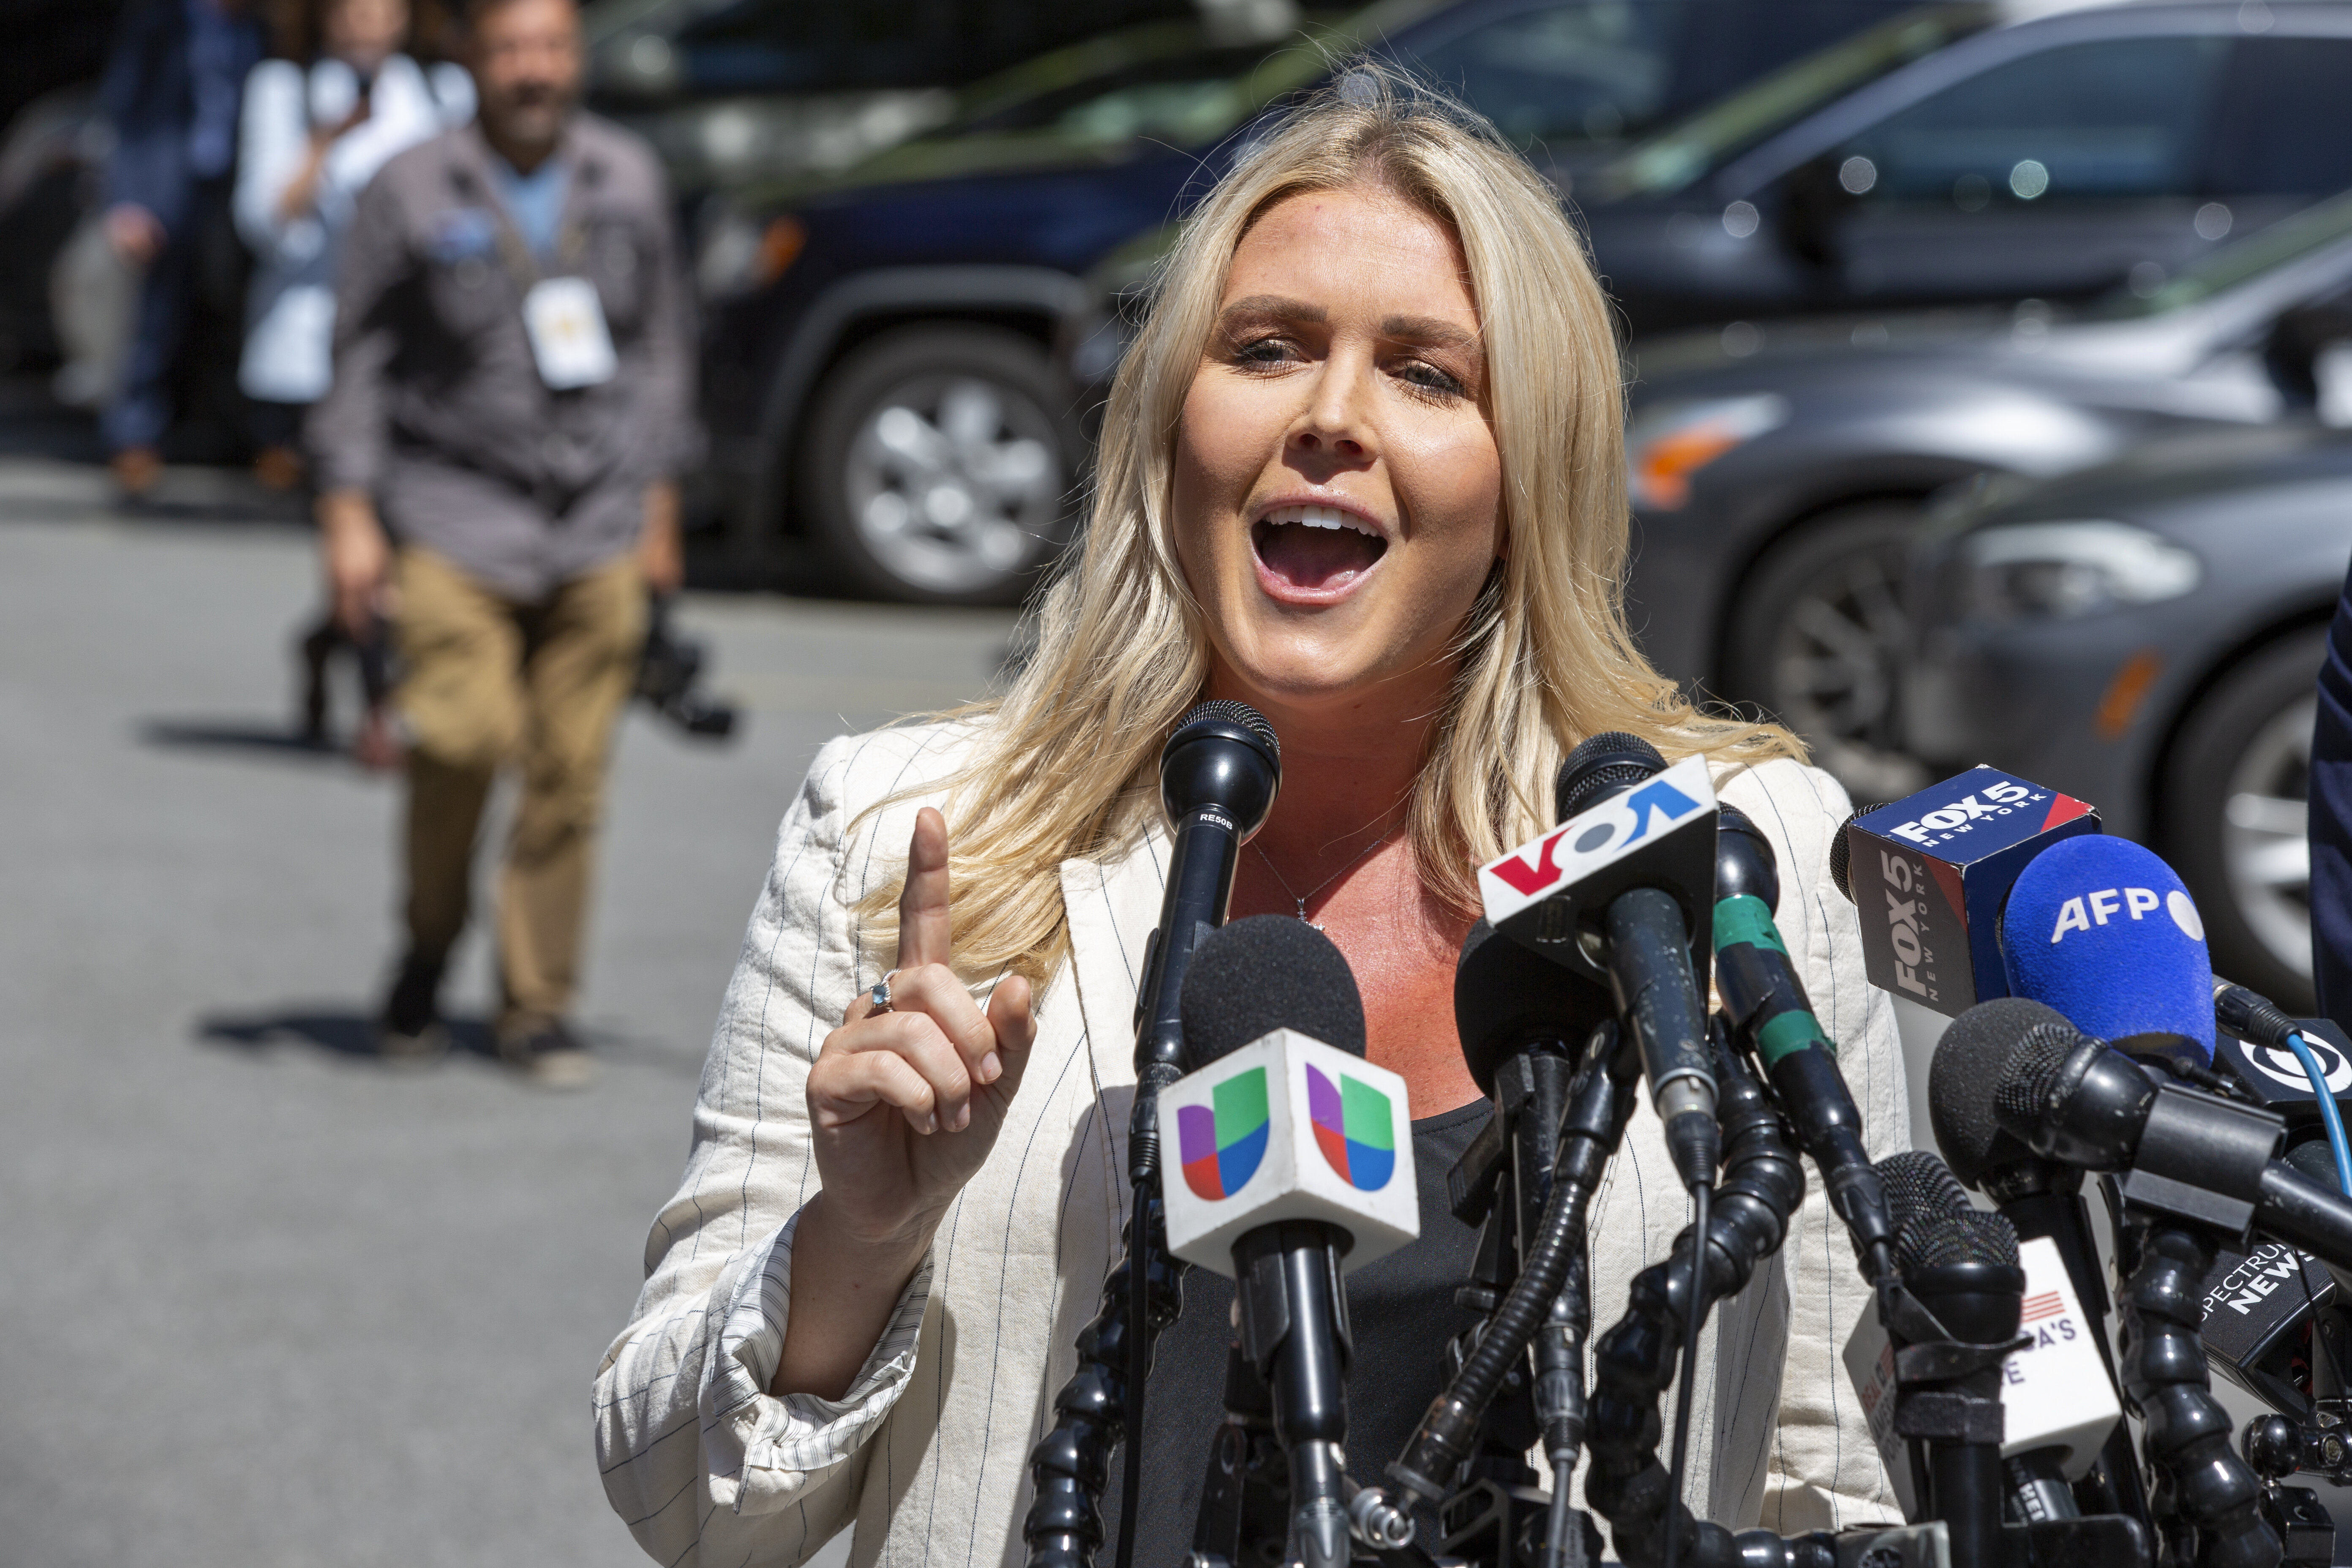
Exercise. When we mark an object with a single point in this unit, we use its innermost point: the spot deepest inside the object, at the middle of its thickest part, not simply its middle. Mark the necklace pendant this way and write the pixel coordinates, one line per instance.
(1302, 915)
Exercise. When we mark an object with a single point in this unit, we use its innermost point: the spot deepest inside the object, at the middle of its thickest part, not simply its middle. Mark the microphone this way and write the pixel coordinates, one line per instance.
(1766, 999)
(2104, 932)
(1296, 1156)
(1623, 890)
(2058, 1398)
(1509, 1002)
(1218, 775)
(2043, 1199)
(2184, 1155)
(1930, 874)
(1961, 1264)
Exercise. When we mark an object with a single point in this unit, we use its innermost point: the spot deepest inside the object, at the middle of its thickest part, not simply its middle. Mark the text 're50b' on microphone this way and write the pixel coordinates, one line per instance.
(2104, 931)
(1218, 775)
(1623, 891)
(1296, 1159)
(1929, 875)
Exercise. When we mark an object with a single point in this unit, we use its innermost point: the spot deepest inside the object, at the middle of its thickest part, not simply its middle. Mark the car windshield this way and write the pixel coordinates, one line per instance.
(2289, 240)
(1670, 159)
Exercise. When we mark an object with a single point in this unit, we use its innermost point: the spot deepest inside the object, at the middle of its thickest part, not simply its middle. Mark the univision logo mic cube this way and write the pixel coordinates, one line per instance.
(1288, 1128)
(1929, 875)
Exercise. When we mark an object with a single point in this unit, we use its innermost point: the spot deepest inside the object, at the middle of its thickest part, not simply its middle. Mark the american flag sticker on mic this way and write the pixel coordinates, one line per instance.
(2054, 1393)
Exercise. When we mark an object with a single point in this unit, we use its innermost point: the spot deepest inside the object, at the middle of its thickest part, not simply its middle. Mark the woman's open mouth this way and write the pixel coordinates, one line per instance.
(1317, 550)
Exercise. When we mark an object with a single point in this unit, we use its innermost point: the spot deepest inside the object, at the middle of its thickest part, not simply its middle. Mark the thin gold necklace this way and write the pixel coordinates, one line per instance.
(1301, 899)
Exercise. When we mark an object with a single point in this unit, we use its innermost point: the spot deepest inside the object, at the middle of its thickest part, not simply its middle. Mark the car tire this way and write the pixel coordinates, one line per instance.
(1814, 638)
(2233, 793)
(939, 466)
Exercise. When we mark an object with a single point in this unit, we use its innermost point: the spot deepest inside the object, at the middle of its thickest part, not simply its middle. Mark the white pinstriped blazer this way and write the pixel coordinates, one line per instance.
(928, 1451)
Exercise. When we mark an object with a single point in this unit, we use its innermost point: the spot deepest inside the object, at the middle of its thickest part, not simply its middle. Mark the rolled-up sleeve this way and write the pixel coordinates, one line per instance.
(694, 1450)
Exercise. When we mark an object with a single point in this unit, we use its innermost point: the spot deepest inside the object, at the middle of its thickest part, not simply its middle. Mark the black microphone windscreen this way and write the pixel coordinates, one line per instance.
(1264, 973)
(1972, 1235)
(1842, 850)
(1240, 713)
(2033, 1070)
(1599, 761)
(1971, 1060)
(1506, 996)
(1919, 1186)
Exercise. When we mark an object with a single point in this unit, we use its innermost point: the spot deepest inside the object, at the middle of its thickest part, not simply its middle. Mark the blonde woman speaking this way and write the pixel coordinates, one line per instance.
(1362, 469)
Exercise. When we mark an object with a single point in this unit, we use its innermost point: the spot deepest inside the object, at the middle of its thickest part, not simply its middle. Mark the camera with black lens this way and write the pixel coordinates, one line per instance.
(668, 673)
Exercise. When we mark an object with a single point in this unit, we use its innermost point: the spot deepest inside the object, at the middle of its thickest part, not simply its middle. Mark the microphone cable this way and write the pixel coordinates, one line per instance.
(2329, 1118)
(1702, 1195)
(2256, 1019)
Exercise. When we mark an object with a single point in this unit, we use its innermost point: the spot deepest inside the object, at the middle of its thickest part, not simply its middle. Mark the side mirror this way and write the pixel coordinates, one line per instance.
(2298, 339)
(1813, 204)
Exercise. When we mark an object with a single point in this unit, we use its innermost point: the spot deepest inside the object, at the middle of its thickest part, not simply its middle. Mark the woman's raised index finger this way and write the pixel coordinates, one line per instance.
(924, 919)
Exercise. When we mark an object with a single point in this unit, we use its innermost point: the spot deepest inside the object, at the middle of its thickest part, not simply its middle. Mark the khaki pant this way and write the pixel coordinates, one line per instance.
(488, 681)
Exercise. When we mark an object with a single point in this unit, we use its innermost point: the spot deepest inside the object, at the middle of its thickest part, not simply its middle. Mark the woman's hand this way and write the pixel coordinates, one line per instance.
(906, 1103)
(904, 1107)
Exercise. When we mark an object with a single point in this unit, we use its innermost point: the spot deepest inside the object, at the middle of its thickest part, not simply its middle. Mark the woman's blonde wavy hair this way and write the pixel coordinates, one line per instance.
(1064, 765)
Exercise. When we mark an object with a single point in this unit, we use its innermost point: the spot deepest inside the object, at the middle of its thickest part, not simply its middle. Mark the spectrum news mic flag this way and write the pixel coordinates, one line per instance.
(1930, 873)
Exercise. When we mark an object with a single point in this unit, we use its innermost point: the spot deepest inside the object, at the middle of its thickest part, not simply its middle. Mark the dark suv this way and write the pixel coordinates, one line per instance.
(877, 380)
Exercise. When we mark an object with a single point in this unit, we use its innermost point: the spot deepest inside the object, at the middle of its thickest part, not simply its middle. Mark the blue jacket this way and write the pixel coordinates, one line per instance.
(149, 96)
(2331, 822)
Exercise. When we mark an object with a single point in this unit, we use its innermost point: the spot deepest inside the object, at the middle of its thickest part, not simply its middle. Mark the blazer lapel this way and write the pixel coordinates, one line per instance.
(1112, 907)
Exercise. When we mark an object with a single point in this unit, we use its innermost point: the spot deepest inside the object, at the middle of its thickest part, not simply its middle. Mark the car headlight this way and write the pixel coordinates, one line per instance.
(1670, 442)
(742, 255)
(2056, 571)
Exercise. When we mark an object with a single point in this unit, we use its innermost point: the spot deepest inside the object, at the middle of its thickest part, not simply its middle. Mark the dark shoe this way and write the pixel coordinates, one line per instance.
(278, 468)
(316, 650)
(136, 471)
(410, 1029)
(546, 1052)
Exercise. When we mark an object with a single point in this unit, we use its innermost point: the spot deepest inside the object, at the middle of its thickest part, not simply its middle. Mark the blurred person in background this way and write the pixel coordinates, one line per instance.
(171, 93)
(495, 458)
(337, 103)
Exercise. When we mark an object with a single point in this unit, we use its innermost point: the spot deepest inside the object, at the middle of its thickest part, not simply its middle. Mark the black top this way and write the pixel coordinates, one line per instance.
(1402, 1311)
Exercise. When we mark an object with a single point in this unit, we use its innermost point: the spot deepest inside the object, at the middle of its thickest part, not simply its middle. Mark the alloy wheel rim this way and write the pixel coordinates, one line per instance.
(1837, 673)
(2266, 853)
(954, 482)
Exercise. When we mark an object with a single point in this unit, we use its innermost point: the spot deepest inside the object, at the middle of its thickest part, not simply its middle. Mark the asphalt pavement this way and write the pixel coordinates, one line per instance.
(268, 1300)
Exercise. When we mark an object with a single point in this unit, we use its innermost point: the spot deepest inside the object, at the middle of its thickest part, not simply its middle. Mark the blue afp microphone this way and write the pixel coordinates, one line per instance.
(2103, 930)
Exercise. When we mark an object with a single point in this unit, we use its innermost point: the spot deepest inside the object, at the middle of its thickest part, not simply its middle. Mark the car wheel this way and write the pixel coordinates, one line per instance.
(938, 468)
(2234, 797)
(1815, 639)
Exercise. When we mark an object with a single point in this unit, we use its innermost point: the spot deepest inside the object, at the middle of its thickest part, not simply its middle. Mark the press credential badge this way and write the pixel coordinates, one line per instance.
(568, 336)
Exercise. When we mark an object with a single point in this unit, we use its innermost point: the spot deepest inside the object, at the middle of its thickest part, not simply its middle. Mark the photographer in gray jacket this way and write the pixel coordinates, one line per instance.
(497, 456)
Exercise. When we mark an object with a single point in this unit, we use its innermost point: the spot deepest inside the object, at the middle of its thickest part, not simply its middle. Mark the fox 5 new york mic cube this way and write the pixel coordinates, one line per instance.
(2055, 1392)
(1288, 1128)
(1928, 875)
(1551, 890)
